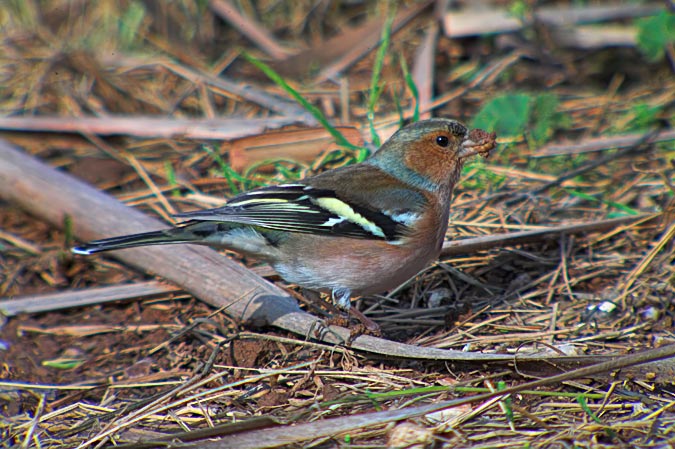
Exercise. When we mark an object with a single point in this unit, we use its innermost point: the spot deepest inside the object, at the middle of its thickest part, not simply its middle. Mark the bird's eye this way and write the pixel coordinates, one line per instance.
(442, 141)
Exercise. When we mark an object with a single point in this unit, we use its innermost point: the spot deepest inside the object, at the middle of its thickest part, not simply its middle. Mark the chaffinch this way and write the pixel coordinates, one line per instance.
(355, 230)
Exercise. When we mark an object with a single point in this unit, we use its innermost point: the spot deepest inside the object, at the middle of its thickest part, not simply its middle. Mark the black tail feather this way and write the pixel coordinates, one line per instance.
(131, 241)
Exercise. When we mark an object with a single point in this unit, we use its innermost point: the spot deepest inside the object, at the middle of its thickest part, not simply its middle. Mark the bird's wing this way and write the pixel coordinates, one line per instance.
(307, 209)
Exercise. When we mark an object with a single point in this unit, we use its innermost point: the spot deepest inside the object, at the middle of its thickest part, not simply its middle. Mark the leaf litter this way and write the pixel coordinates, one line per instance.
(167, 367)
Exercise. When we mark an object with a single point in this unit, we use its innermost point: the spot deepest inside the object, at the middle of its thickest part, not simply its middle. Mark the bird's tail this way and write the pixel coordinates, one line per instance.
(175, 235)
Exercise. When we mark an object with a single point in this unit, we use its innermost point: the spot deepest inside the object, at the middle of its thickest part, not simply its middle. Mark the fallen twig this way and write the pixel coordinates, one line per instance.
(423, 70)
(467, 246)
(249, 28)
(602, 143)
(296, 433)
(84, 297)
(214, 279)
(342, 51)
(148, 127)
(479, 21)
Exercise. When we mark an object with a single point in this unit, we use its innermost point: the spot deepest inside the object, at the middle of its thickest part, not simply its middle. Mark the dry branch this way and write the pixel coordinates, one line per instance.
(342, 51)
(249, 28)
(423, 71)
(479, 21)
(84, 297)
(602, 143)
(467, 246)
(286, 435)
(148, 127)
(52, 196)
(302, 145)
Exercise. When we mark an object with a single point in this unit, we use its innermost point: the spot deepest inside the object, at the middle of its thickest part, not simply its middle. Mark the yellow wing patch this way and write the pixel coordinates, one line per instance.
(343, 209)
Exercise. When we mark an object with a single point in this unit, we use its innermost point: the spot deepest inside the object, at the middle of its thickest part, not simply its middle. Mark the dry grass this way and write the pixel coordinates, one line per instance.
(163, 368)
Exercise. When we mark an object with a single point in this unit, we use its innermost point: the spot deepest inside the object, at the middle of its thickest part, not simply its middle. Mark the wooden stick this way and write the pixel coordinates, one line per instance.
(53, 195)
(601, 144)
(480, 21)
(149, 127)
(471, 245)
(84, 297)
(48, 302)
(287, 435)
(249, 27)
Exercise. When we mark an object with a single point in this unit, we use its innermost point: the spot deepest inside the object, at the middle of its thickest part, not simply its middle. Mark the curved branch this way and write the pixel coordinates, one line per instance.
(53, 195)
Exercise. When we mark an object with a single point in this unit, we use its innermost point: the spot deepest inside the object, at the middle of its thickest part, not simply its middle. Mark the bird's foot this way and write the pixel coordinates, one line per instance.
(366, 326)
(339, 319)
(321, 327)
(342, 299)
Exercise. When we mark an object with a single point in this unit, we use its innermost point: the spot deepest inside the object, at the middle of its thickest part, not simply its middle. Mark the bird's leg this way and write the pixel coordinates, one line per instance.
(337, 309)
(320, 327)
(341, 307)
(313, 300)
(342, 300)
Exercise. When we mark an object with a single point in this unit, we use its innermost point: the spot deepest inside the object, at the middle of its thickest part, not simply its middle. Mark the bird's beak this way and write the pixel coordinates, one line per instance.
(477, 141)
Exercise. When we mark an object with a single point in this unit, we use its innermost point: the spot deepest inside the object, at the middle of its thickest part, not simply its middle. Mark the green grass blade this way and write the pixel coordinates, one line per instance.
(316, 112)
(228, 173)
(375, 87)
(68, 233)
(171, 178)
(505, 403)
(584, 406)
(410, 82)
(622, 207)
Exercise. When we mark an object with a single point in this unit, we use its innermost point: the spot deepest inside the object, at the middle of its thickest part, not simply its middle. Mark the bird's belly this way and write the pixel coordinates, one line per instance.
(368, 267)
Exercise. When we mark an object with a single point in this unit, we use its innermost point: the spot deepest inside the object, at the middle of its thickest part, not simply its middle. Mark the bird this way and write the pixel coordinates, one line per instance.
(351, 231)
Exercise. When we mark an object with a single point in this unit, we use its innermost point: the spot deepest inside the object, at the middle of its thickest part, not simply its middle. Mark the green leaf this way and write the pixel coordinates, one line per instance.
(171, 178)
(654, 33)
(508, 115)
(645, 116)
(228, 172)
(514, 115)
(68, 233)
(506, 402)
(518, 9)
(63, 363)
(545, 113)
(584, 406)
(130, 24)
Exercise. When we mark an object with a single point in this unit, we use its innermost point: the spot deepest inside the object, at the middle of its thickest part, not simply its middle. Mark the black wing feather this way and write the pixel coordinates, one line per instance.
(296, 208)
